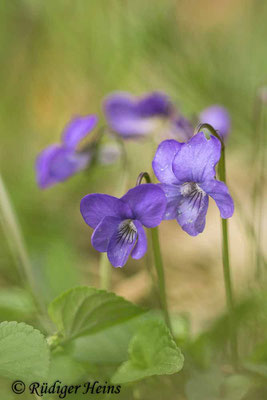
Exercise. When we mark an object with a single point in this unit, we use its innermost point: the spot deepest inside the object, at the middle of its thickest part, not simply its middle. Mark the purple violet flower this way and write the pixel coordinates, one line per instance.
(132, 116)
(60, 161)
(118, 223)
(135, 117)
(218, 117)
(187, 175)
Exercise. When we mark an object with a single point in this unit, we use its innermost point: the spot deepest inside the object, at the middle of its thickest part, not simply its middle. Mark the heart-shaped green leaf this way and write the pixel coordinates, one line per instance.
(24, 353)
(152, 351)
(85, 310)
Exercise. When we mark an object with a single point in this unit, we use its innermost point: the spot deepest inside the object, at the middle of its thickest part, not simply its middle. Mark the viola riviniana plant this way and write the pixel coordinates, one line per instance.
(134, 117)
(187, 175)
(118, 223)
(60, 161)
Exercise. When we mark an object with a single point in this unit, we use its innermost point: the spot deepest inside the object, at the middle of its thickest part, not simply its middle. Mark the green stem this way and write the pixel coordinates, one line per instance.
(158, 262)
(227, 271)
(160, 273)
(149, 266)
(225, 256)
(17, 246)
(105, 272)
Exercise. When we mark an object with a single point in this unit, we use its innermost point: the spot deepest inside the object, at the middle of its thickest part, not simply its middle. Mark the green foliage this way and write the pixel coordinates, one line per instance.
(16, 304)
(65, 369)
(109, 346)
(99, 326)
(86, 310)
(152, 351)
(24, 352)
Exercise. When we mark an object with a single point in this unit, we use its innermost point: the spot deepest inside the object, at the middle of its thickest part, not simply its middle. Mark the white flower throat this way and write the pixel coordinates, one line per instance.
(127, 232)
(194, 194)
(189, 189)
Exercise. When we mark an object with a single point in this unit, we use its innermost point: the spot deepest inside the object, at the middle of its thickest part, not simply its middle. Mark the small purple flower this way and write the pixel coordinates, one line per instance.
(133, 117)
(60, 161)
(187, 173)
(218, 117)
(118, 223)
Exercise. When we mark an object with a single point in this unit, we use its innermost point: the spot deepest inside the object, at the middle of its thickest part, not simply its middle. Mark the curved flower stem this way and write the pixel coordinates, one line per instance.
(158, 261)
(141, 176)
(225, 255)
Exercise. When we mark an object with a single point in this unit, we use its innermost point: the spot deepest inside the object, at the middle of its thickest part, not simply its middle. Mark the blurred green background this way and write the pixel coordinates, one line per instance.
(60, 58)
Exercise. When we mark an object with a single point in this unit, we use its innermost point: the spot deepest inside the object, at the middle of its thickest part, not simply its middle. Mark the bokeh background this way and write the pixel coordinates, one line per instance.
(60, 58)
